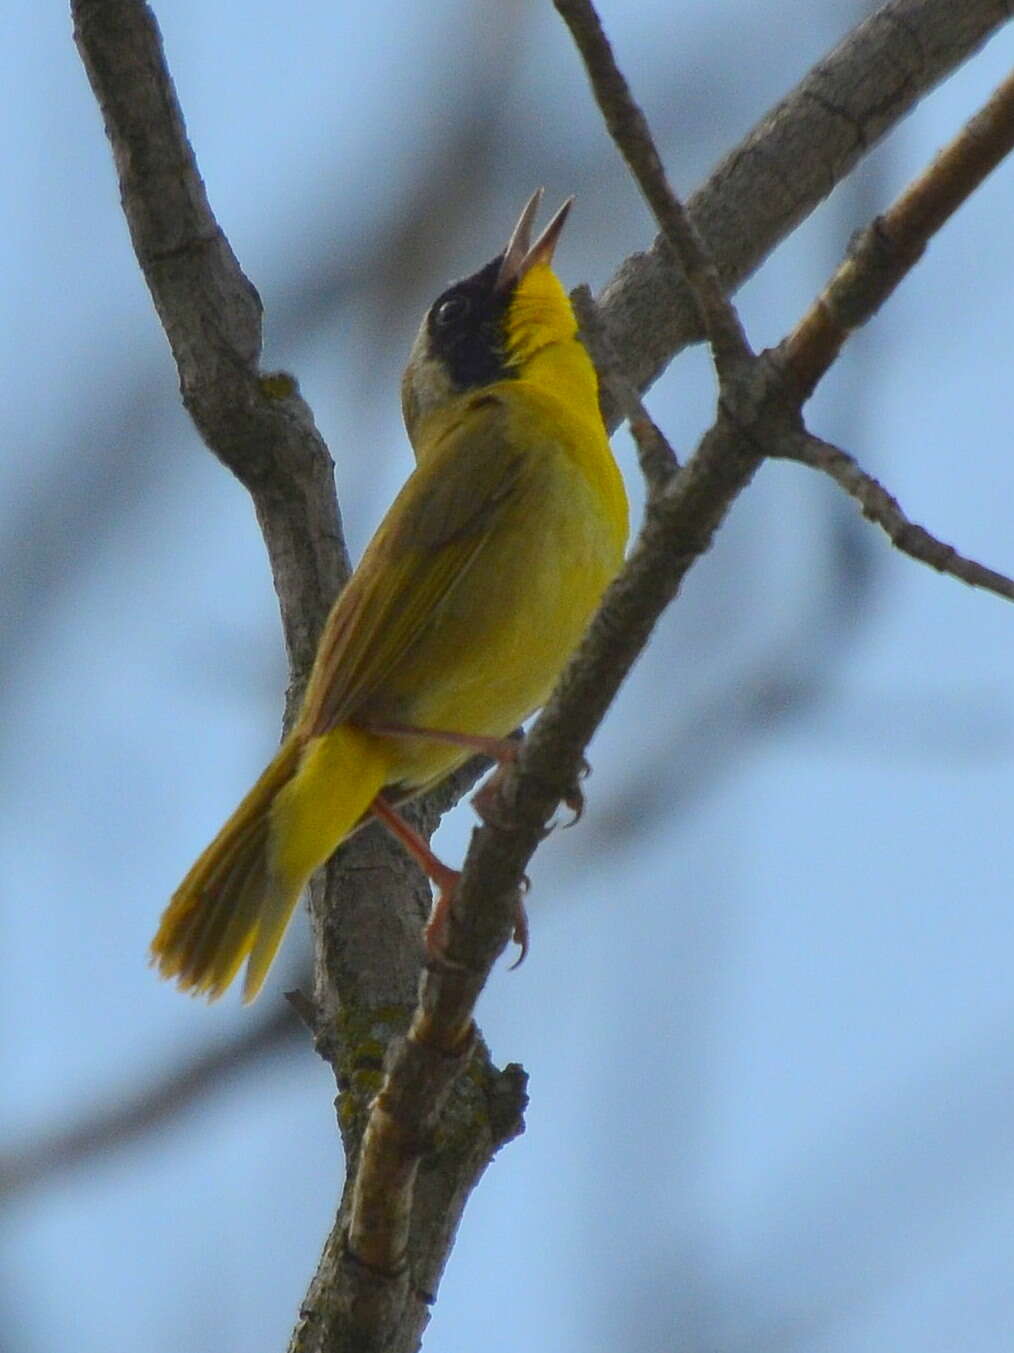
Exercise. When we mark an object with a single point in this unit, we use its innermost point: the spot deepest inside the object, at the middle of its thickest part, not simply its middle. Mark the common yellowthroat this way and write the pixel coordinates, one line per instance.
(467, 603)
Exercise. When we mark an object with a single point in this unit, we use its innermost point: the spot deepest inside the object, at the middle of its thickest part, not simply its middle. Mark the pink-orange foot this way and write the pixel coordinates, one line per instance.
(435, 932)
(488, 801)
(487, 804)
(446, 878)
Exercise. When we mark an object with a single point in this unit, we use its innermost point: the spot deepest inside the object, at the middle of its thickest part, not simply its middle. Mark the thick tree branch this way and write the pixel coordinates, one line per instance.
(262, 431)
(789, 163)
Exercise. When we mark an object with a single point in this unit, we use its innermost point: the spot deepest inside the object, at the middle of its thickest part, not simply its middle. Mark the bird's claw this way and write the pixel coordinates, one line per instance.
(435, 930)
(574, 795)
(489, 804)
(520, 935)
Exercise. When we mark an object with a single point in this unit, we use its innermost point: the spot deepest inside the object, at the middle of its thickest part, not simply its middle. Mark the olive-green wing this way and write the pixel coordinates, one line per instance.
(444, 515)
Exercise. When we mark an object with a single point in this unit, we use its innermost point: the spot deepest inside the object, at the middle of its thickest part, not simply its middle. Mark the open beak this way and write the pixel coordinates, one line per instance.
(521, 255)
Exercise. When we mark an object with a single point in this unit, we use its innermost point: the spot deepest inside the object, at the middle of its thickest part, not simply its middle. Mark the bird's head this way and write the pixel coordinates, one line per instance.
(488, 327)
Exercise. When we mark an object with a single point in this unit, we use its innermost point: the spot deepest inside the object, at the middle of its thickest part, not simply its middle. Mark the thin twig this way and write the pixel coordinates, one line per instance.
(879, 506)
(656, 457)
(629, 129)
(878, 259)
(882, 254)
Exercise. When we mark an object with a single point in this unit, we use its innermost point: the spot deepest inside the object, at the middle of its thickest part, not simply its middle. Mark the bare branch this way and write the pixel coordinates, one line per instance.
(879, 506)
(789, 163)
(629, 129)
(879, 258)
(882, 254)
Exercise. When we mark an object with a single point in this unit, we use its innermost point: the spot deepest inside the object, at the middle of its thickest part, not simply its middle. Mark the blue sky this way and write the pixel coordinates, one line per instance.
(767, 1008)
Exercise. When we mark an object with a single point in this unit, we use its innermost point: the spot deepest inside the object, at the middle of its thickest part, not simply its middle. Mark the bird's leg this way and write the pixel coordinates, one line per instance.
(504, 751)
(446, 878)
(488, 802)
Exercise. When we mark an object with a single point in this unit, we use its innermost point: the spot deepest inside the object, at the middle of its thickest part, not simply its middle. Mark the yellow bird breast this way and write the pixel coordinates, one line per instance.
(494, 646)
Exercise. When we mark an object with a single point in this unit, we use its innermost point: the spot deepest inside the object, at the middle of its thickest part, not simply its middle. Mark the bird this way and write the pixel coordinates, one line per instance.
(469, 599)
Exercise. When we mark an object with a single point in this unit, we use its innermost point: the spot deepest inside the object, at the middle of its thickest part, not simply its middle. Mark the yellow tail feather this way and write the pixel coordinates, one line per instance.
(238, 897)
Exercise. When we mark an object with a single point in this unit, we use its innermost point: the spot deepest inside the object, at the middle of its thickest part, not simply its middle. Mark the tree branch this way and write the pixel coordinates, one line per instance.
(882, 254)
(809, 142)
(878, 259)
(629, 129)
(656, 457)
(261, 430)
(680, 523)
(880, 507)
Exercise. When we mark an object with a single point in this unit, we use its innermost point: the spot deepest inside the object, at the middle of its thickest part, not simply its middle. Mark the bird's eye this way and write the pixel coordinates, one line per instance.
(452, 310)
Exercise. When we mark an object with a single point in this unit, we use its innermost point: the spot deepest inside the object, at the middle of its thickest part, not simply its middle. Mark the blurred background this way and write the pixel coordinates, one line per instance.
(768, 1007)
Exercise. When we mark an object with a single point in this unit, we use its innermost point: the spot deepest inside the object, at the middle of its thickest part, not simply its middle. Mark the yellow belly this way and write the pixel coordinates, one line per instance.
(503, 635)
